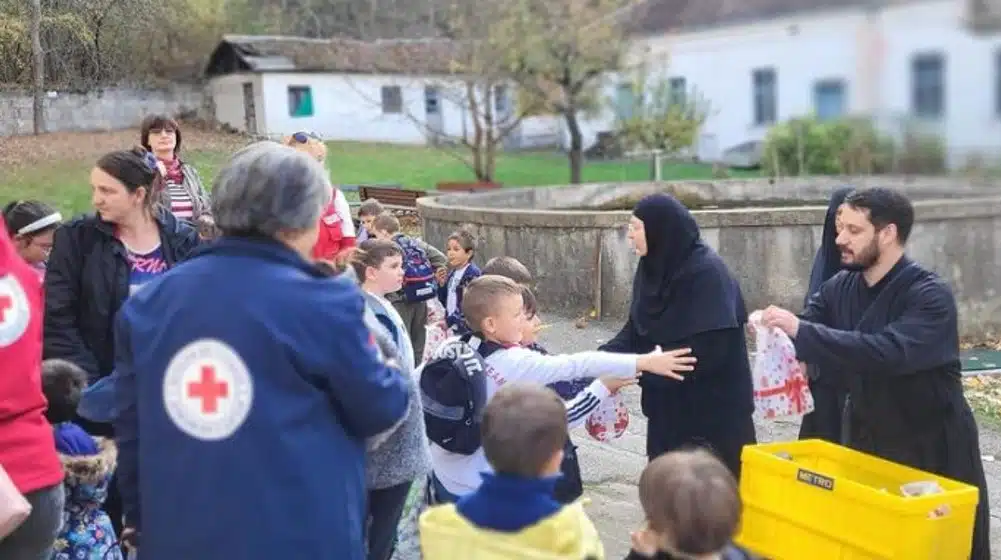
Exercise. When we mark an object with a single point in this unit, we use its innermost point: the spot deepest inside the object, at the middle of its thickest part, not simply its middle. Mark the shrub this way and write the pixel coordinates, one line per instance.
(806, 146)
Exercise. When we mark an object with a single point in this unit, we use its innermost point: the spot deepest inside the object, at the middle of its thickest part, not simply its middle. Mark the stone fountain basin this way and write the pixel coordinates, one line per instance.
(573, 237)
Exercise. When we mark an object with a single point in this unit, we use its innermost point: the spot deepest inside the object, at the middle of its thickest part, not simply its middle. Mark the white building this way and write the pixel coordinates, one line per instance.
(758, 62)
(755, 62)
(401, 91)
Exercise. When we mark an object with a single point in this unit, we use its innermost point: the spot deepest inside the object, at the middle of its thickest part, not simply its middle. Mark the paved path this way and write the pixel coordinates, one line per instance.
(611, 470)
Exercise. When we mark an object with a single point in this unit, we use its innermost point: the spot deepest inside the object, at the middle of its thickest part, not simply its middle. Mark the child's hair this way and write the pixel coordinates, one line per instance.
(529, 302)
(509, 267)
(479, 300)
(135, 168)
(386, 222)
(370, 207)
(159, 122)
(691, 498)
(523, 427)
(62, 382)
(465, 239)
(28, 218)
(371, 253)
(307, 143)
(207, 228)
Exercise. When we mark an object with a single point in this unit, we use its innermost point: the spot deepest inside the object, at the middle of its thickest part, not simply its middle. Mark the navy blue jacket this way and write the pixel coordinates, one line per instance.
(456, 320)
(247, 383)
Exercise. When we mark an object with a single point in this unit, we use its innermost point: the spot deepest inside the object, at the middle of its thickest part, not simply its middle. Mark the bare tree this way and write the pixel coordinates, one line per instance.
(37, 68)
(566, 47)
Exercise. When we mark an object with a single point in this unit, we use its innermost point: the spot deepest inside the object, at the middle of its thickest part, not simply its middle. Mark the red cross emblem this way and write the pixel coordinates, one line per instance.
(208, 390)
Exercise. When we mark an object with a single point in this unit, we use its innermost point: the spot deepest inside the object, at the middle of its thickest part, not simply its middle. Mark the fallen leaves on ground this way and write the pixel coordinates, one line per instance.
(19, 151)
(984, 394)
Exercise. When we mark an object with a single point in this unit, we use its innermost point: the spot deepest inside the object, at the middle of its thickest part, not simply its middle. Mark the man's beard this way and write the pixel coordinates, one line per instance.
(865, 259)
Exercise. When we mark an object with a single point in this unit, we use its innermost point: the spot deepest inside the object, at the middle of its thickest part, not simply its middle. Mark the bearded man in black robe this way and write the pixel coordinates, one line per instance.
(888, 327)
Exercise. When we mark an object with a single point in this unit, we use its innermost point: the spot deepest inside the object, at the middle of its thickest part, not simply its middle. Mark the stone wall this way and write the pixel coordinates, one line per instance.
(109, 109)
(582, 259)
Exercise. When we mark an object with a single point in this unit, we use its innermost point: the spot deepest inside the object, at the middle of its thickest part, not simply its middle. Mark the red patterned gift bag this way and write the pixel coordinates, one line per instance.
(609, 421)
(437, 331)
(780, 386)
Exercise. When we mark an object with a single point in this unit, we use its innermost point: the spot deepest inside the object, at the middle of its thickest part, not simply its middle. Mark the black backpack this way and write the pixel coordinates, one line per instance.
(453, 387)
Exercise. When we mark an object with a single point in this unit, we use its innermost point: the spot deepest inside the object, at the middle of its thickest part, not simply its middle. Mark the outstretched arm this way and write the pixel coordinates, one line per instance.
(910, 343)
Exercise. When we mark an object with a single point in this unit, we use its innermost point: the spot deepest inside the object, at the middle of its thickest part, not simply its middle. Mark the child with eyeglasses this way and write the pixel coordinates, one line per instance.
(31, 225)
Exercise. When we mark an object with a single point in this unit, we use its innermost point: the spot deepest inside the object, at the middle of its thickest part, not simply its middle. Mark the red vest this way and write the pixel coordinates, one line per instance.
(331, 239)
(27, 448)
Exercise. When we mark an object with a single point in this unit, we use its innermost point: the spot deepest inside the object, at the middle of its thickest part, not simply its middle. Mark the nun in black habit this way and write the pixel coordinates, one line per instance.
(828, 389)
(685, 297)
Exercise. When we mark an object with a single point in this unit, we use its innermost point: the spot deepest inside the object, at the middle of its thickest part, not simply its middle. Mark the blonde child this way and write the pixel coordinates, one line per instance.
(582, 396)
(494, 310)
(513, 513)
(403, 458)
(692, 509)
(337, 228)
(462, 270)
(424, 269)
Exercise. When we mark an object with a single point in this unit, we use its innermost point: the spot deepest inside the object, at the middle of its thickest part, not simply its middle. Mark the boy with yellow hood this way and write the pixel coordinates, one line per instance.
(513, 513)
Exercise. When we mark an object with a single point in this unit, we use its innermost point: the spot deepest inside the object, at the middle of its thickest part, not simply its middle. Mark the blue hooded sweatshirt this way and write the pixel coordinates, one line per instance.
(246, 385)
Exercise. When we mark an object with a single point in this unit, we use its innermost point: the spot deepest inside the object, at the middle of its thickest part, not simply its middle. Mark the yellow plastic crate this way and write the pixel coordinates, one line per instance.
(813, 500)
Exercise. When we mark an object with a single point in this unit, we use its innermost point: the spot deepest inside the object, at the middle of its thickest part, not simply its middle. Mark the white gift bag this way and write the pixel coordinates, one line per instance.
(780, 384)
(609, 421)
(14, 508)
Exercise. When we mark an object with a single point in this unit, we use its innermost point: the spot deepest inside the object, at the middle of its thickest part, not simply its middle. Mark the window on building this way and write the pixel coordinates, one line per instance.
(392, 100)
(678, 91)
(829, 99)
(928, 85)
(300, 101)
(765, 94)
(625, 101)
(502, 101)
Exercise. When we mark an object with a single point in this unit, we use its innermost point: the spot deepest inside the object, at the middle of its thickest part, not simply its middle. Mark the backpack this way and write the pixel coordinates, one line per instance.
(453, 387)
(418, 275)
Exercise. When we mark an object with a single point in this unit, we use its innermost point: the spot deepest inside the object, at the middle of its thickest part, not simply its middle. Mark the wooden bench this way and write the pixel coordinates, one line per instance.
(391, 196)
(466, 187)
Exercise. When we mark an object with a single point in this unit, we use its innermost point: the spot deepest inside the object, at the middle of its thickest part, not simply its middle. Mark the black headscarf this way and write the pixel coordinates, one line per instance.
(827, 263)
(681, 287)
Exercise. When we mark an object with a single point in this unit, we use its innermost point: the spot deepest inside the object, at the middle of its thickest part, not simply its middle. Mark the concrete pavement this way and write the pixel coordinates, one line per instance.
(611, 470)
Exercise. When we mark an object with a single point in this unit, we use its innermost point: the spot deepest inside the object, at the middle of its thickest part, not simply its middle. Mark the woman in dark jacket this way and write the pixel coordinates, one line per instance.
(829, 393)
(684, 296)
(98, 260)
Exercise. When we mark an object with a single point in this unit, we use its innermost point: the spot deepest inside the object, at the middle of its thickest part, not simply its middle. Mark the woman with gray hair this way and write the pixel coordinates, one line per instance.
(259, 383)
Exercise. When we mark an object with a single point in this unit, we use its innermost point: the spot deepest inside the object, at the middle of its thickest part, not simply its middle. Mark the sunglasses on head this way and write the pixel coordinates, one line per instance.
(303, 137)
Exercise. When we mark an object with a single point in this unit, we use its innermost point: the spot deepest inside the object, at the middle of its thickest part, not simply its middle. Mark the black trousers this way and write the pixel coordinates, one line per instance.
(826, 422)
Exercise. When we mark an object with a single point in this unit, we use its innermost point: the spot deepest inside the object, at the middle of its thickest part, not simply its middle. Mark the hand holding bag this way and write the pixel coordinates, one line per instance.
(780, 385)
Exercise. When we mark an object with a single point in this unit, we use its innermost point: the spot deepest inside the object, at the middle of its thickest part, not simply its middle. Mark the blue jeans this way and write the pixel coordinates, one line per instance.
(34, 538)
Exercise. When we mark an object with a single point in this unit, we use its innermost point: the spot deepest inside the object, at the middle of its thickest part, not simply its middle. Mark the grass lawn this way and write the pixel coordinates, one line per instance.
(55, 167)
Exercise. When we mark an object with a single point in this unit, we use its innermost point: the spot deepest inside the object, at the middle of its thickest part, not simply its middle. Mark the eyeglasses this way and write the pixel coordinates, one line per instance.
(303, 137)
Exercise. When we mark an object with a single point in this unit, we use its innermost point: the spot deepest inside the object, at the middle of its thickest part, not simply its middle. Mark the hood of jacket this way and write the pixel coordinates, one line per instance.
(87, 476)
